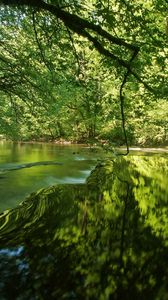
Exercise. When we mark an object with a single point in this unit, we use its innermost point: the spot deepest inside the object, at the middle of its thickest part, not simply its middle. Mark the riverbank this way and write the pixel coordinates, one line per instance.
(97, 144)
(147, 149)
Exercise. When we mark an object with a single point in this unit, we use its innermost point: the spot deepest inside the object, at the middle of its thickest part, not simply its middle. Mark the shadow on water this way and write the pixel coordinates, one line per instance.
(106, 239)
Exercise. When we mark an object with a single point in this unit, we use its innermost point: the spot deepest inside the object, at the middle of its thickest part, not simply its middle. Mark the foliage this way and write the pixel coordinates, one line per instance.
(84, 70)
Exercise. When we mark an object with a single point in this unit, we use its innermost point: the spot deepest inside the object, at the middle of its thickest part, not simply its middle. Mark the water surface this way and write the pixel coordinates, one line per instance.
(106, 239)
(75, 161)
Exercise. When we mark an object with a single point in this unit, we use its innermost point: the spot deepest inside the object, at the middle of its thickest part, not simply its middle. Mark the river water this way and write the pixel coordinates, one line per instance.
(104, 240)
(75, 161)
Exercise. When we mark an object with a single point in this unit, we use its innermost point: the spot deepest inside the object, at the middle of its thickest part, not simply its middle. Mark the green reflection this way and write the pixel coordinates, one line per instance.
(75, 163)
(106, 239)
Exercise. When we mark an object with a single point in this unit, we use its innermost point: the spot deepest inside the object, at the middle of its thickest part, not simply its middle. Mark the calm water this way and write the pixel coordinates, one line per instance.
(103, 240)
(15, 185)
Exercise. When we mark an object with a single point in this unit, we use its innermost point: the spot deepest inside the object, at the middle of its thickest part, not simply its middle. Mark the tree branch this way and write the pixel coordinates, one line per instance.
(37, 40)
(74, 22)
(75, 51)
(80, 26)
(122, 102)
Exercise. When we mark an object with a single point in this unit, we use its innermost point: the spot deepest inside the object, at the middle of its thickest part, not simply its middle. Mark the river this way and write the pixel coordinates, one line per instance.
(74, 165)
(107, 239)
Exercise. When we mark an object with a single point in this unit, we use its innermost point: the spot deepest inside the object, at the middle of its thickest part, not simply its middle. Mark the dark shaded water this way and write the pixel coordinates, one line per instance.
(107, 239)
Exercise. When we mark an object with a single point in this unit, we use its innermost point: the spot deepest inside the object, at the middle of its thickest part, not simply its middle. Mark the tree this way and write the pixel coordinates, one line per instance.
(129, 36)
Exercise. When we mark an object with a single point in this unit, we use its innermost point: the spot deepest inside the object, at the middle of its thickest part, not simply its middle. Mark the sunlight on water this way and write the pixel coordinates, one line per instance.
(15, 185)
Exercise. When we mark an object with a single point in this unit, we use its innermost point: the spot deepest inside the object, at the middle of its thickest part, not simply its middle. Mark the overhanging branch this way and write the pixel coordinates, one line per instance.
(80, 26)
(122, 102)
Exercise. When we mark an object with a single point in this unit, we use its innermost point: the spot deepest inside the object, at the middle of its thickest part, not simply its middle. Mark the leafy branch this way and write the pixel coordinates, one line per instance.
(81, 26)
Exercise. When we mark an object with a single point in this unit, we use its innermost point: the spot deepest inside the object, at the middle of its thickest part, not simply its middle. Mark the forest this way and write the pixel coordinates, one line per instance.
(84, 72)
(79, 221)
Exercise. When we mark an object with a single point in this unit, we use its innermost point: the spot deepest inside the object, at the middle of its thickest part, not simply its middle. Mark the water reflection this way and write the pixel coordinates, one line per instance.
(107, 239)
(16, 182)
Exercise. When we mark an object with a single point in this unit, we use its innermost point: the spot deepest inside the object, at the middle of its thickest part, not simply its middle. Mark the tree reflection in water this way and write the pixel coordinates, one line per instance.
(106, 239)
